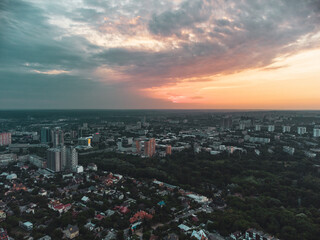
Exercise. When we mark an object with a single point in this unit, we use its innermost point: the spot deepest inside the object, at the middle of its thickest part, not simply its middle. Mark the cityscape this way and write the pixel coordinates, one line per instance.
(159, 174)
(159, 120)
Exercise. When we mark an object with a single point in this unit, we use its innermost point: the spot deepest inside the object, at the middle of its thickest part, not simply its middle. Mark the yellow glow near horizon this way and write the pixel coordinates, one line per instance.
(289, 83)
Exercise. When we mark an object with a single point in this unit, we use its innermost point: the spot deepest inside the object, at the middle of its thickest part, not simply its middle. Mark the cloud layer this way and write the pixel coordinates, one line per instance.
(95, 48)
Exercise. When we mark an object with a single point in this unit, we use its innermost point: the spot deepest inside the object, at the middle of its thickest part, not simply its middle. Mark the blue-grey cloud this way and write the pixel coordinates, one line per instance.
(189, 14)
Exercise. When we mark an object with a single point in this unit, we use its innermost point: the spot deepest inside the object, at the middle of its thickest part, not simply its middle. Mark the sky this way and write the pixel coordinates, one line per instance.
(168, 54)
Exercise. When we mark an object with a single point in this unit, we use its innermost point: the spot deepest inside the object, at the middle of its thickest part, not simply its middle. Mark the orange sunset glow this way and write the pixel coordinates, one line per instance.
(290, 83)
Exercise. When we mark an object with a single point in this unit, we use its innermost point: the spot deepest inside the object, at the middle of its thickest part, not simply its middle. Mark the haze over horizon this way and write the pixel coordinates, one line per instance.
(149, 54)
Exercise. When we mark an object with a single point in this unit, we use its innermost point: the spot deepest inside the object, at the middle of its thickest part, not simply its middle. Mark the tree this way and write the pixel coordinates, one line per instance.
(120, 235)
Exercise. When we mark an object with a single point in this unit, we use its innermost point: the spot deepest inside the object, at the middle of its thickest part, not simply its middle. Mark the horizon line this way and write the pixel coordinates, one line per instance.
(155, 109)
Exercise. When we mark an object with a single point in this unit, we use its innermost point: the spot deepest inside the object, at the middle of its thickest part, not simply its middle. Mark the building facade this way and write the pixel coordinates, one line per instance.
(286, 129)
(150, 147)
(62, 158)
(45, 135)
(54, 159)
(57, 137)
(5, 139)
(302, 130)
(271, 128)
(316, 132)
(168, 150)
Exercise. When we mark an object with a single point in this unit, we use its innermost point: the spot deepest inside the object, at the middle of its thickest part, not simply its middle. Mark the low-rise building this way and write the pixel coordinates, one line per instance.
(5, 159)
(38, 161)
(28, 226)
(289, 150)
(253, 234)
(71, 232)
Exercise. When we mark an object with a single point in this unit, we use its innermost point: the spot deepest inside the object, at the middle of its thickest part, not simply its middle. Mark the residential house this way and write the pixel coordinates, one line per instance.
(71, 231)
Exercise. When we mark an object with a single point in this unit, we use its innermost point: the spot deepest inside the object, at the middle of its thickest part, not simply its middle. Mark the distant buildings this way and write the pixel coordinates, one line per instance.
(226, 122)
(5, 159)
(316, 132)
(38, 161)
(150, 147)
(85, 141)
(96, 138)
(198, 198)
(5, 139)
(271, 128)
(310, 154)
(125, 144)
(258, 128)
(56, 136)
(286, 129)
(168, 150)
(92, 167)
(253, 234)
(289, 150)
(259, 140)
(242, 126)
(302, 130)
(138, 146)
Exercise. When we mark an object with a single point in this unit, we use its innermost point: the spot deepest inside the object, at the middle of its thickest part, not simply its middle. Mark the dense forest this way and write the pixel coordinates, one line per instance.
(277, 193)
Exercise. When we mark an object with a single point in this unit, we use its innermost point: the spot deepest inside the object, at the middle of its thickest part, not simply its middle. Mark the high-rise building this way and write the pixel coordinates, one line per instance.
(226, 122)
(72, 158)
(271, 128)
(73, 134)
(143, 120)
(57, 137)
(150, 147)
(302, 130)
(54, 159)
(62, 158)
(316, 132)
(5, 139)
(168, 149)
(138, 146)
(119, 144)
(286, 129)
(45, 135)
(242, 126)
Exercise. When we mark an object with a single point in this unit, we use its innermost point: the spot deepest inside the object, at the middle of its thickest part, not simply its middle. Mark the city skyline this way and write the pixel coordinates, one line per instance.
(150, 54)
